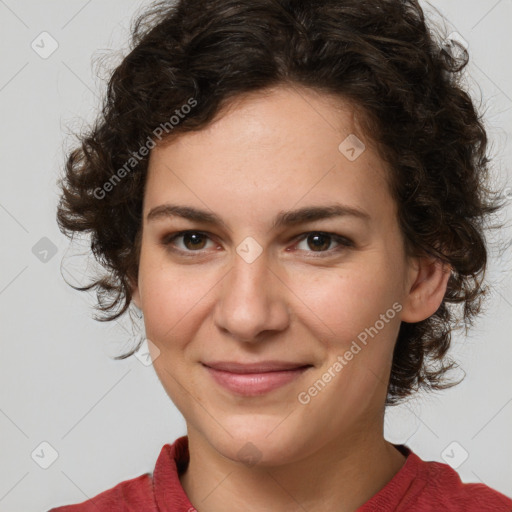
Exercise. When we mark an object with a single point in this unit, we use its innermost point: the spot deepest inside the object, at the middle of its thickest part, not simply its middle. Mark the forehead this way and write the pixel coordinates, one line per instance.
(270, 149)
(281, 114)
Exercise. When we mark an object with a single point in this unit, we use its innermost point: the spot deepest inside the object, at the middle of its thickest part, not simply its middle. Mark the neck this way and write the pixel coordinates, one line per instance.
(340, 477)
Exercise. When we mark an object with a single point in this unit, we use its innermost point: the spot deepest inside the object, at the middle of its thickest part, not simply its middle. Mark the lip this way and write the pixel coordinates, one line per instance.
(255, 378)
(260, 367)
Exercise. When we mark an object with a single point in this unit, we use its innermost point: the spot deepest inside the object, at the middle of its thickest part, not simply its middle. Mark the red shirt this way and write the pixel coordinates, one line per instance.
(419, 486)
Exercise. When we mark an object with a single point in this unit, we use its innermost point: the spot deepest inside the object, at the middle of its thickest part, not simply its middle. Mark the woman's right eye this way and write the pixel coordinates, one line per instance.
(192, 241)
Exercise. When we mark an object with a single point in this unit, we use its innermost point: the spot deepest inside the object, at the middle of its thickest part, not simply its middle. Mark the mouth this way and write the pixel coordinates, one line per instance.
(253, 379)
(260, 367)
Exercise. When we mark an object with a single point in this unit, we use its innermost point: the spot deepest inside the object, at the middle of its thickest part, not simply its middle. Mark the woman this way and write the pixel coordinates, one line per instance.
(293, 194)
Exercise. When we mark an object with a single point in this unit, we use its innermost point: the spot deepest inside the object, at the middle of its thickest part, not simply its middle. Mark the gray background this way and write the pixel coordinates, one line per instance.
(107, 420)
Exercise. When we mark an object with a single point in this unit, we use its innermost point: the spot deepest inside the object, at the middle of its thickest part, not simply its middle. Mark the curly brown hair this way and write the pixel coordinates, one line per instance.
(379, 54)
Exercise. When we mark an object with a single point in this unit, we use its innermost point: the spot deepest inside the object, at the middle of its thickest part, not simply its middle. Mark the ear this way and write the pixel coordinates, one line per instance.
(135, 294)
(426, 287)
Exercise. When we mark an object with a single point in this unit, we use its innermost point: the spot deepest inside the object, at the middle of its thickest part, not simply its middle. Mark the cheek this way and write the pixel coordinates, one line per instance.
(173, 302)
(357, 315)
(345, 301)
(172, 297)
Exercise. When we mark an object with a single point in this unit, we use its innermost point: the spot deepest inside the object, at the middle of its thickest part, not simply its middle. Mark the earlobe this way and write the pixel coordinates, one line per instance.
(135, 295)
(428, 289)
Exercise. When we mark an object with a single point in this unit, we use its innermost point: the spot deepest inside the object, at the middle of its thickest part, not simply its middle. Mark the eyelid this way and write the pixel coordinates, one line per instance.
(342, 241)
(168, 239)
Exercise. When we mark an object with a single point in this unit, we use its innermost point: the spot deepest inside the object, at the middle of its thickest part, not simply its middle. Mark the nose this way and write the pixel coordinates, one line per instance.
(252, 300)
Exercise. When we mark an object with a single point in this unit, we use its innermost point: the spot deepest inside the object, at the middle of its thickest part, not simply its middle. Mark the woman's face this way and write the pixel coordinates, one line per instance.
(250, 289)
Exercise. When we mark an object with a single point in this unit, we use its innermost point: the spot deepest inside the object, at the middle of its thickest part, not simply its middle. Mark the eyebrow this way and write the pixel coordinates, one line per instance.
(283, 218)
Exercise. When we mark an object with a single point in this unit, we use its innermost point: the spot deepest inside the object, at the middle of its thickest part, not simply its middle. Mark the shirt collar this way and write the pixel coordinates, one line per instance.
(169, 493)
(173, 460)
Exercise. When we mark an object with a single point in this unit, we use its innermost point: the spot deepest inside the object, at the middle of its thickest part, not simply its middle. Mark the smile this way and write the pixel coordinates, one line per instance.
(254, 383)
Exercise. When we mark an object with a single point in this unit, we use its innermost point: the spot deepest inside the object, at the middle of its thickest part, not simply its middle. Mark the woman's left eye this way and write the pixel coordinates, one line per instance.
(194, 241)
(320, 240)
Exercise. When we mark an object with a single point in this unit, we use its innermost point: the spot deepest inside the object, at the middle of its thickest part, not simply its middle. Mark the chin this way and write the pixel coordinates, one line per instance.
(258, 444)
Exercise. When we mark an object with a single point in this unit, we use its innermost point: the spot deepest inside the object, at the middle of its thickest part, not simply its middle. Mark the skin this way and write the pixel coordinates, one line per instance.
(269, 152)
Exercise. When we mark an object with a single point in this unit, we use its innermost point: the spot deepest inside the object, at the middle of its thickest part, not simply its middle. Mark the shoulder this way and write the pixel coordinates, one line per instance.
(142, 493)
(127, 496)
(442, 489)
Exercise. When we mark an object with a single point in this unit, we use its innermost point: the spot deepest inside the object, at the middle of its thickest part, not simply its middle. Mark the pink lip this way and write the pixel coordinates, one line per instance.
(255, 379)
(260, 367)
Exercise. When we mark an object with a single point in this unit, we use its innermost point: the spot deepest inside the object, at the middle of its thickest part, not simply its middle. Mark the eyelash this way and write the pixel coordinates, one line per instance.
(343, 241)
